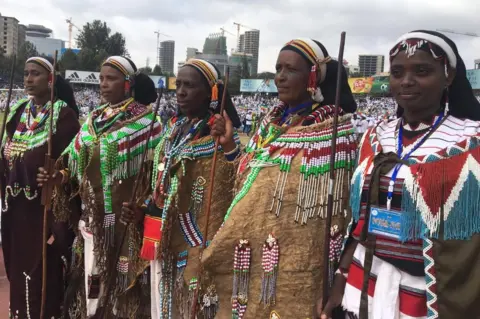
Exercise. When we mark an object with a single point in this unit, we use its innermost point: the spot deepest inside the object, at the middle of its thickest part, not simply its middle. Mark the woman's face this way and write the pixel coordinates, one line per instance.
(35, 79)
(418, 83)
(193, 96)
(291, 78)
(112, 85)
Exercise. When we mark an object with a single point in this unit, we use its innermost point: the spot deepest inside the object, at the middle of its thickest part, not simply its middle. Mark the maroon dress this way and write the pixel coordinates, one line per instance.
(22, 225)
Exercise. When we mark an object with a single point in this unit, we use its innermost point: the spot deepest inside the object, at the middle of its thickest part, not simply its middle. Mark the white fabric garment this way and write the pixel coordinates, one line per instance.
(90, 267)
(385, 303)
(155, 274)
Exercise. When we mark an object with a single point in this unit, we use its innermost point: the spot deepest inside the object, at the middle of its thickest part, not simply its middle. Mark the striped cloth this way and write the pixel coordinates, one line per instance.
(392, 293)
(397, 285)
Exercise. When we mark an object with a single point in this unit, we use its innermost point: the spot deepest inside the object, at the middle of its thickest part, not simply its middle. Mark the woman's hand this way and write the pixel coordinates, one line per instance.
(222, 127)
(43, 177)
(131, 213)
(335, 299)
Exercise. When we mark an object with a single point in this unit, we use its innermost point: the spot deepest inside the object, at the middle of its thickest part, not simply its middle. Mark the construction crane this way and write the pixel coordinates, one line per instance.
(158, 33)
(239, 25)
(226, 31)
(70, 29)
(469, 34)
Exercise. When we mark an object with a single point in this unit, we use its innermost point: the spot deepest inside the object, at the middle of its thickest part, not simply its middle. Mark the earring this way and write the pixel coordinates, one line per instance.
(445, 112)
(49, 84)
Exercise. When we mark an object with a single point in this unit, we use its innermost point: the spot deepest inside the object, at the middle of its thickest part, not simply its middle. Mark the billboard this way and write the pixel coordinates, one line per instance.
(474, 78)
(258, 86)
(360, 85)
(172, 83)
(85, 77)
(380, 85)
(160, 81)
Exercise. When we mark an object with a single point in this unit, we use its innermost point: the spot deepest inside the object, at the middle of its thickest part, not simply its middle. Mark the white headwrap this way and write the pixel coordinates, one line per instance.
(43, 62)
(122, 64)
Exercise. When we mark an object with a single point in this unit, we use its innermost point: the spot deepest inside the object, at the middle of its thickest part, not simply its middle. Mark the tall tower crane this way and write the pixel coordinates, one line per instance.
(469, 34)
(70, 29)
(239, 25)
(226, 31)
(158, 33)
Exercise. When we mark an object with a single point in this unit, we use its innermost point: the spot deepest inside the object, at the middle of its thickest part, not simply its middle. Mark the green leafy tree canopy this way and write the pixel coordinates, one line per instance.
(96, 43)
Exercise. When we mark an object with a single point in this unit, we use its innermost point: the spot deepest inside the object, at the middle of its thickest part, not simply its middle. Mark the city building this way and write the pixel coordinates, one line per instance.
(251, 45)
(22, 32)
(241, 43)
(371, 64)
(237, 60)
(216, 44)
(191, 52)
(9, 35)
(352, 69)
(167, 56)
(477, 64)
(220, 60)
(40, 37)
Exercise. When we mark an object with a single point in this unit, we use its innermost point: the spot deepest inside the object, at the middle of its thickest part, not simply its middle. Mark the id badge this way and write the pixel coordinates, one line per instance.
(385, 222)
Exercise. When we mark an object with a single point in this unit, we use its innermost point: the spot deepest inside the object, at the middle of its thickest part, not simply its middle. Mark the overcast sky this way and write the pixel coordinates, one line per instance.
(371, 25)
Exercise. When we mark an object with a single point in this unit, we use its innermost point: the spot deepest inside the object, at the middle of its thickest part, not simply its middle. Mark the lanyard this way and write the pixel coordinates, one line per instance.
(407, 156)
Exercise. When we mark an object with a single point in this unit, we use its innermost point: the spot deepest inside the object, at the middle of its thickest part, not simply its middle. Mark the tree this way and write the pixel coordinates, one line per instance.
(157, 70)
(69, 61)
(264, 75)
(116, 45)
(97, 44)
(244, 68)
(146, 70)
(86, 59)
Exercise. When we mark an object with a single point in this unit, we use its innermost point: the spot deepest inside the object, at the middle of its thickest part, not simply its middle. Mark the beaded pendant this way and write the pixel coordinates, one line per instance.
(335, 250)
(210, 303)
(241, 278)
(179, 281)
(188, 224)
(192, 287)
(270, 259)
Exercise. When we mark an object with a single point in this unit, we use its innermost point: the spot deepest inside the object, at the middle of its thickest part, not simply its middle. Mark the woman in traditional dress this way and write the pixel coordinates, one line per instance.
(23, 152)
(266, 260)
(175, 217)
(415, 195)
(101, 165)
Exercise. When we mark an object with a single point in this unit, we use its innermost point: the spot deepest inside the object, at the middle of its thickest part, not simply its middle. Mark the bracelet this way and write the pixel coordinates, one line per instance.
(232, 151)
(341, 272)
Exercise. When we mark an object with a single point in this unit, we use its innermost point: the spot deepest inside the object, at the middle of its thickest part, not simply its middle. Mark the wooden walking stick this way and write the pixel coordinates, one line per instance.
(193, 314)
(48, 189)
(331, 184)
(101, 311)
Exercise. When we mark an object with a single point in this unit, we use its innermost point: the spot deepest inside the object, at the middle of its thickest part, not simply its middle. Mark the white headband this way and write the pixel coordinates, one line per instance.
(319, 55)
(45, 63)
(452, 58)
(124, 62)
(194, 62)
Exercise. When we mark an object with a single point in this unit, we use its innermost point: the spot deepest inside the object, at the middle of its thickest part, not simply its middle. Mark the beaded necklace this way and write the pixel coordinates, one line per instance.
(108, 115)
(171, 146)
(316, 146)
(31, 132)
(120, 154)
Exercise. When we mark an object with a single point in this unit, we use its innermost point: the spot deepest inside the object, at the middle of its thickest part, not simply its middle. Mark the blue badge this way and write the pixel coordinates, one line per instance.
(385, 222)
